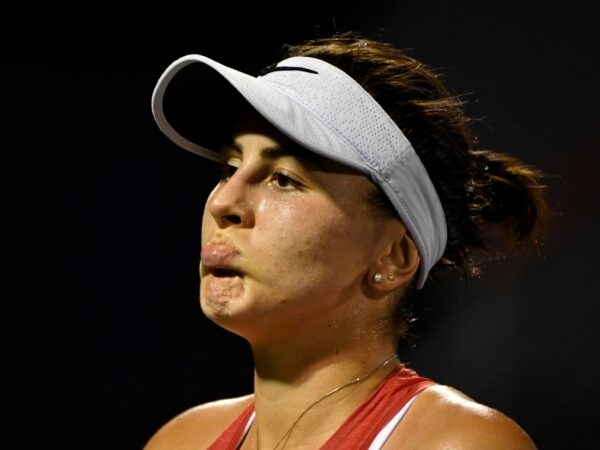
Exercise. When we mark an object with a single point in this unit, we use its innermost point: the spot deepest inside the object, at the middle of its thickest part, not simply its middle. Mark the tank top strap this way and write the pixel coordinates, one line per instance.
(235, 433)
(385, 407)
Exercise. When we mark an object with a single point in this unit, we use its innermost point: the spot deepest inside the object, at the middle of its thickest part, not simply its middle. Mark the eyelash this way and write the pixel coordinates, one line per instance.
(227, 171)
(278, 176)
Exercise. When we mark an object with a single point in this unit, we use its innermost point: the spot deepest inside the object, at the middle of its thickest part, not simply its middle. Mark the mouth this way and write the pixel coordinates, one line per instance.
(224, 273)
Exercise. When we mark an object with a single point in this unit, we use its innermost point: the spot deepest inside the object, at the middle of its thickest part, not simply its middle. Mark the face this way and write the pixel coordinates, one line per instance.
(287, 237)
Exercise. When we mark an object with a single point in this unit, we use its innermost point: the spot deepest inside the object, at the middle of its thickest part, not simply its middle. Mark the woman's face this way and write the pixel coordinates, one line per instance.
(287, 236)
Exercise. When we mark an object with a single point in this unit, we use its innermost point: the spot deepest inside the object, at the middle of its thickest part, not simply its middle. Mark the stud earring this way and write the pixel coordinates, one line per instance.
(378, 277)
(391, 277)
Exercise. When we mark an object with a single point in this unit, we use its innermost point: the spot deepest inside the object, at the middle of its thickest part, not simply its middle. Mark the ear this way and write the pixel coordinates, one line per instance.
(396, 266)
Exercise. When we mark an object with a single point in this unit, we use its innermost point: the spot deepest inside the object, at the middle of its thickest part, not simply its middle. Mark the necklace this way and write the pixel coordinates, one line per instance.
(283, 440)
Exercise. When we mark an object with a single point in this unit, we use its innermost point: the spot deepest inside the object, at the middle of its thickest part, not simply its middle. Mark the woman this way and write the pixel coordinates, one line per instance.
(349, 177)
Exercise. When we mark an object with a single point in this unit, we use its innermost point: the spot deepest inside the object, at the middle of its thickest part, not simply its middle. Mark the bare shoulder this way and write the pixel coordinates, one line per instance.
(444, 418)
(199, 426)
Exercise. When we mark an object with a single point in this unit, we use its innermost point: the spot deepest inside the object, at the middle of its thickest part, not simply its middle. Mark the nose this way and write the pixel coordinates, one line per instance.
(230, 203)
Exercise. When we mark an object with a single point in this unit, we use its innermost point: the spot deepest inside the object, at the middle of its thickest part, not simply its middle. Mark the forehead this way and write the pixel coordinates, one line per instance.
(248, 121)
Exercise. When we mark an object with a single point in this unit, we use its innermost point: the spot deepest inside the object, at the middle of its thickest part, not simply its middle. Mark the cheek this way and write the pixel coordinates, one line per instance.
(311, 235)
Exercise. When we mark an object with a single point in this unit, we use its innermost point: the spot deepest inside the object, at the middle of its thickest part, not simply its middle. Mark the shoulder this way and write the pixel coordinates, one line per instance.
(198, 426)
(445, 418)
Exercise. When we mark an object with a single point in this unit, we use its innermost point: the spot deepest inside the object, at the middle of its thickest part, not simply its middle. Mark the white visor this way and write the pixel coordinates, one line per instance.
(321, 108)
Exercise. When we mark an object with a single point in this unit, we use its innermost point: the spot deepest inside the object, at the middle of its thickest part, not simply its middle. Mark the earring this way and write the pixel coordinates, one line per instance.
(391, 277)
(378, 277)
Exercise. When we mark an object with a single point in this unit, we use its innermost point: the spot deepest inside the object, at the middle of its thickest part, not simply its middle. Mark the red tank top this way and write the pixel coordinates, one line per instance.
(361, 428)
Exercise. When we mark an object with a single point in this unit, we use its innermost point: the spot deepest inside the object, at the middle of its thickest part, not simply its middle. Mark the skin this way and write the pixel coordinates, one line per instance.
(308, 304)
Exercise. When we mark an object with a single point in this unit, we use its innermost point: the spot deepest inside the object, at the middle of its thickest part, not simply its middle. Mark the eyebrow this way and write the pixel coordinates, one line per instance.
(281, 151)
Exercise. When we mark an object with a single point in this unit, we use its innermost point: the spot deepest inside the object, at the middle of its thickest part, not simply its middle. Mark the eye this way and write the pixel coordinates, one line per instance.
(283, 180)
(227, 171)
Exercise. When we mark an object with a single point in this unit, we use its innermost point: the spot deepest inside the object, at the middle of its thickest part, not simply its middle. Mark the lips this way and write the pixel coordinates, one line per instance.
(220, 259)
(222, 282)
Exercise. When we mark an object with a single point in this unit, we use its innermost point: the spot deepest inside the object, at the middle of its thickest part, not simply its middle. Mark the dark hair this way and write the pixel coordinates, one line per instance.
(477, 187)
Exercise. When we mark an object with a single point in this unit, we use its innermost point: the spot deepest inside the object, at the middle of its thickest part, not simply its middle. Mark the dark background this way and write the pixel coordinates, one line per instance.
(104, 339)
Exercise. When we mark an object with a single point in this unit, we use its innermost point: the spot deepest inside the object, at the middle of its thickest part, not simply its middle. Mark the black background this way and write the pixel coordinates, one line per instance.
(104, 340)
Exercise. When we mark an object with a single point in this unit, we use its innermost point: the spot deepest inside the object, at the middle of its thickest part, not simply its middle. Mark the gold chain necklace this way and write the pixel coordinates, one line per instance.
(283, 440)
